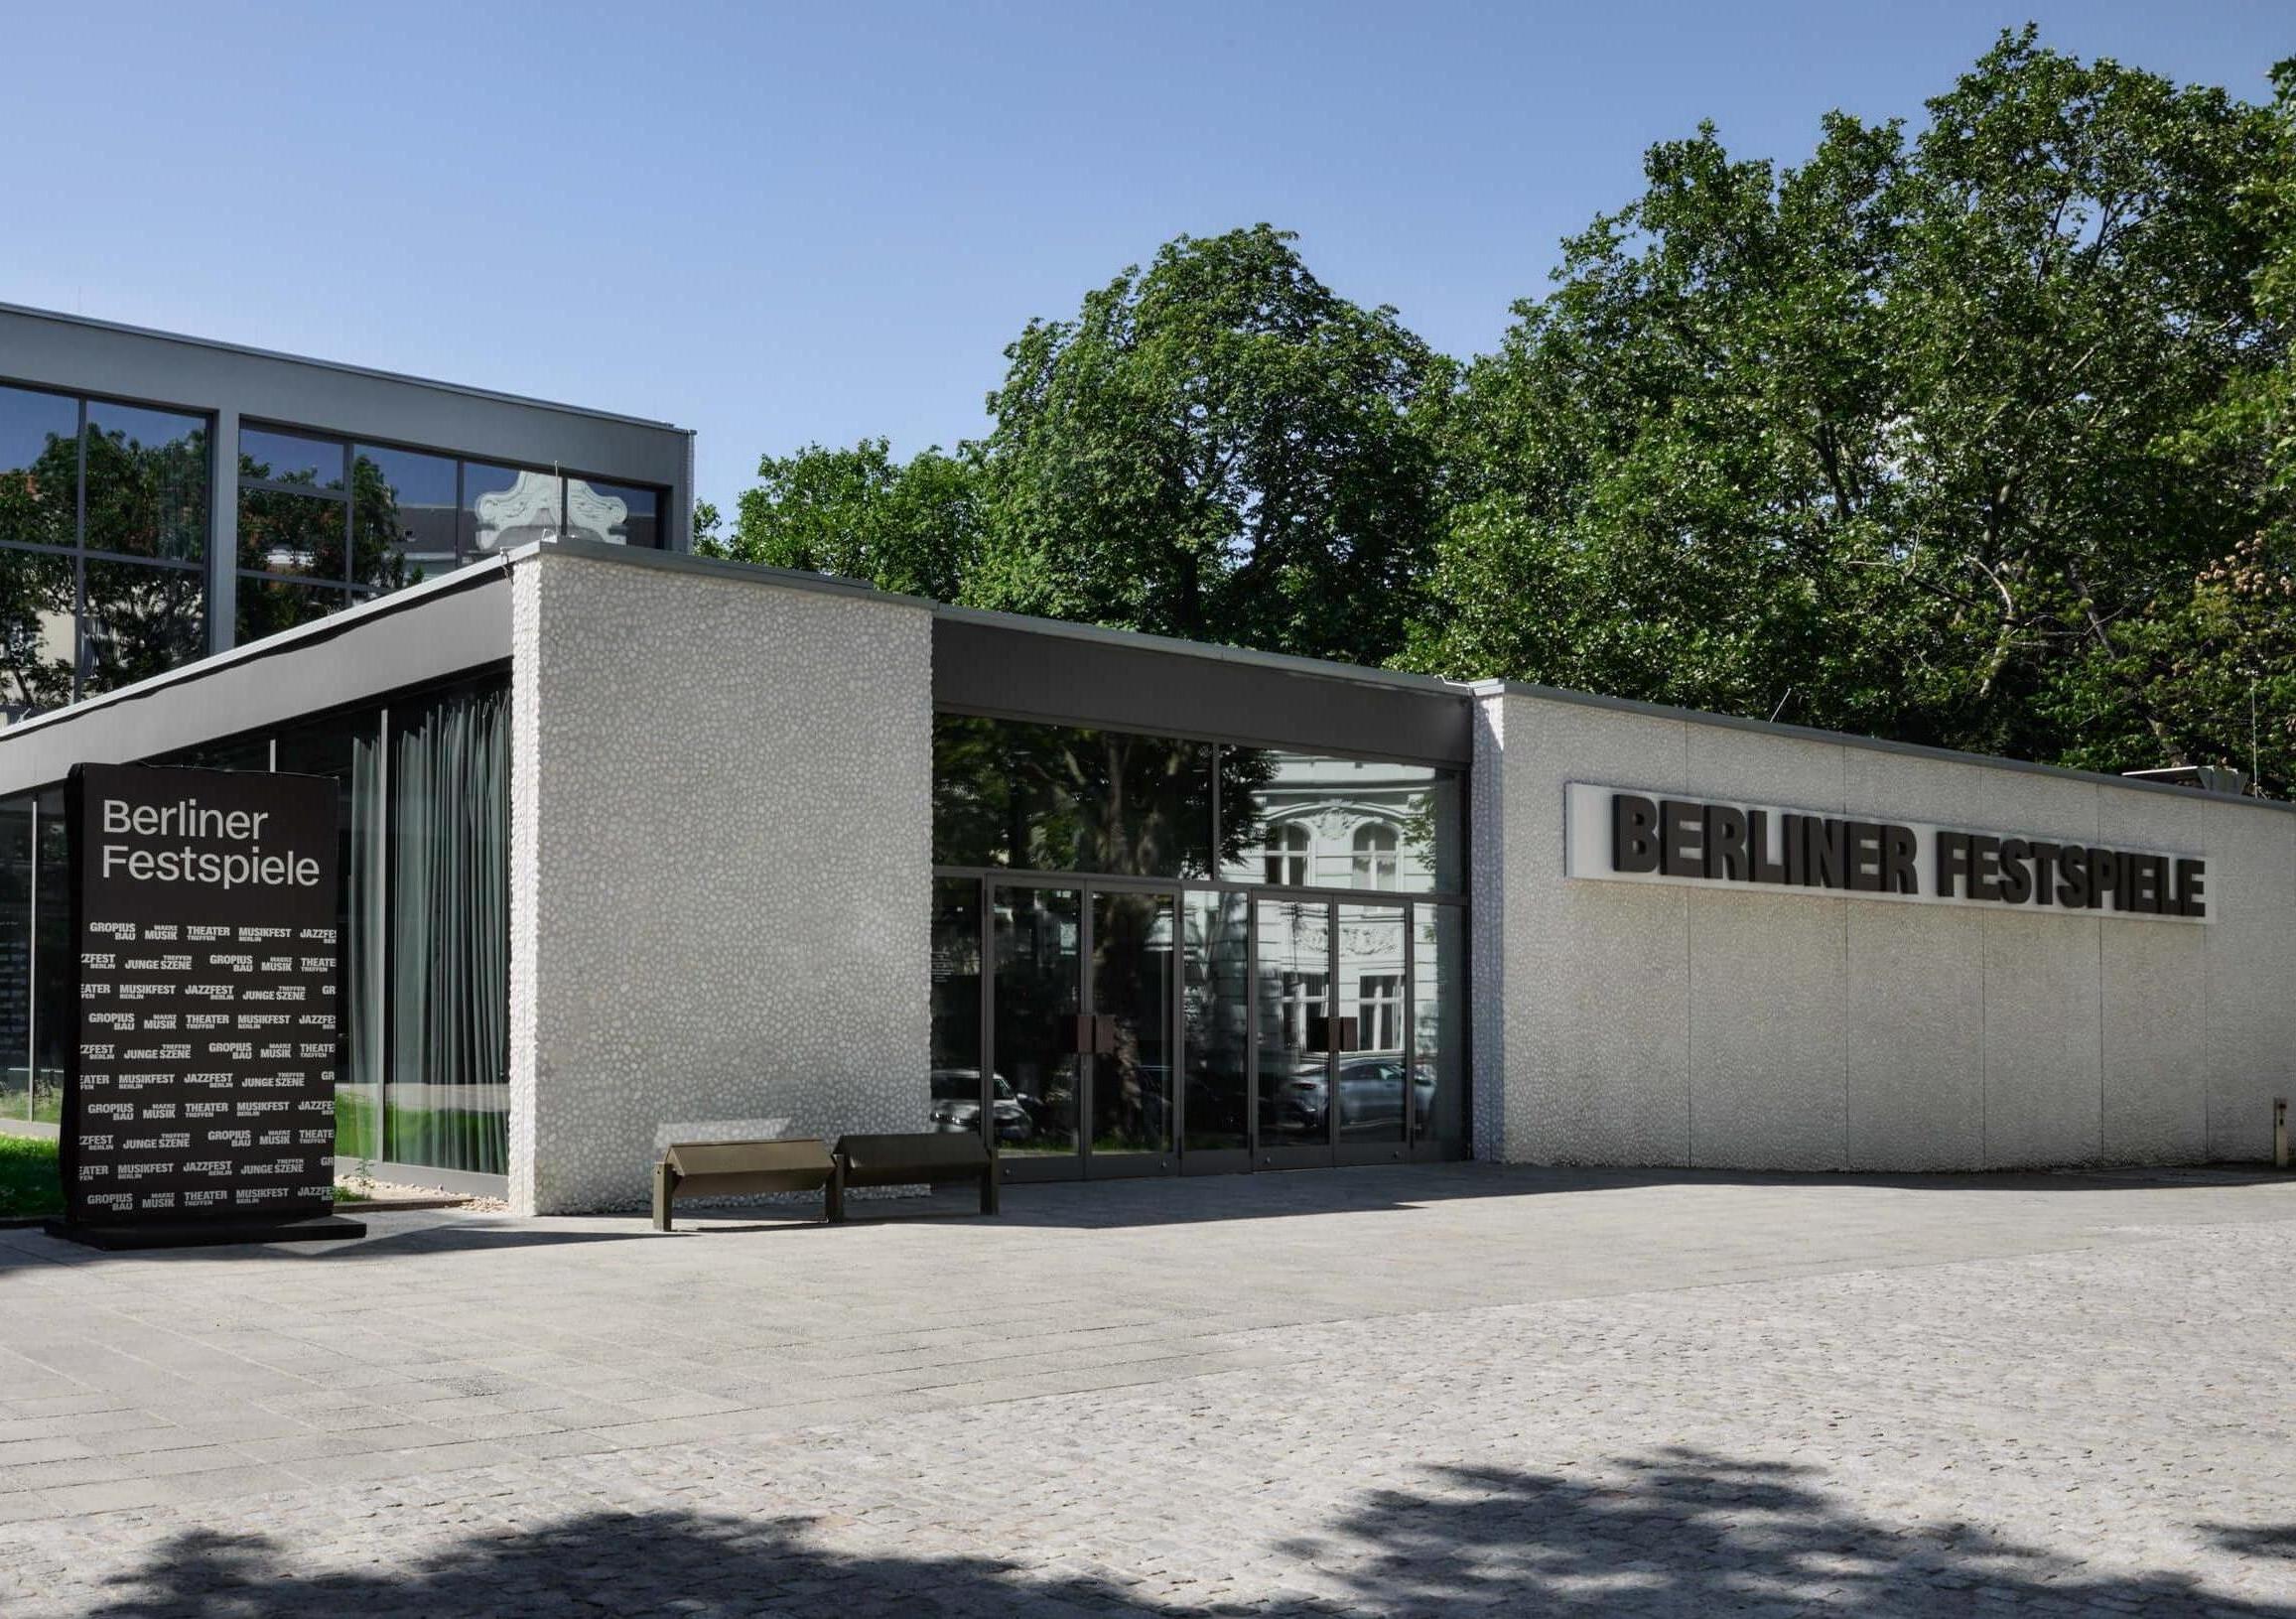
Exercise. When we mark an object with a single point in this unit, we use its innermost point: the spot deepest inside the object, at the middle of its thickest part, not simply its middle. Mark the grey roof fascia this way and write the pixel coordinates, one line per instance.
(724, 568)
(1278, 662)
(1877, 745)
(376, 373)
(428, 632)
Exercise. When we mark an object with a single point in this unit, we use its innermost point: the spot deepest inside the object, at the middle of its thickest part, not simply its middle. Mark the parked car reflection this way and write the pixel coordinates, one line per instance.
(1371, 1098)
(957, 1104)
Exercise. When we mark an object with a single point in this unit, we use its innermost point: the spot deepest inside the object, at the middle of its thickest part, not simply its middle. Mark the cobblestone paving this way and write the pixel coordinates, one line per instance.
(1394, 1393)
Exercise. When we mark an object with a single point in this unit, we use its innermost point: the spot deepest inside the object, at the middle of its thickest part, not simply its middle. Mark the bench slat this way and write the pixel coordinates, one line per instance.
(693, 1159)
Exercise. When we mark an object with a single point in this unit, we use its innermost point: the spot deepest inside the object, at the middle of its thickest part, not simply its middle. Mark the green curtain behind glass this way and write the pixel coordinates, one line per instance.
(449, 996)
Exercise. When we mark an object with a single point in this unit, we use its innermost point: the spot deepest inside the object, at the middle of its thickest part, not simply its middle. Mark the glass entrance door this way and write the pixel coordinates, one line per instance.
(1085, 1013)
(1292, 1005)
(1131, 1010)
(1037, 1016)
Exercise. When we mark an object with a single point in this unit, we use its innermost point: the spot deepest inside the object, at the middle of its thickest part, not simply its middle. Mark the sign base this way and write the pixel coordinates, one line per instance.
(325, 1228)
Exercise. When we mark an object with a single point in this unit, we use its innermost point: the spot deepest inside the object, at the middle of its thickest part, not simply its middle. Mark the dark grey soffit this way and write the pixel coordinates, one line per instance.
(430, 632)
(984, 663)
(1844, 739)
(249, 351)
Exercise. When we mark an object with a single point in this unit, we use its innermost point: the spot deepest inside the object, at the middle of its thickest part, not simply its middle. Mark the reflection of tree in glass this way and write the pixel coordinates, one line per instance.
(35, 594)
(140, 621)
(380, 532)
(1065, 799)
(1245, 773)
(147, 500)
(141, 500)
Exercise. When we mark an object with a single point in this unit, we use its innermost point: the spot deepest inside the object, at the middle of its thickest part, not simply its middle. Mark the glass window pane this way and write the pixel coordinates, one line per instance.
(1132, 1003)
(1337, 823)
(1218, 941)
(349, 749)
(15, 868)
(140, 621)
(402, 517)
(447, 1095)
(1059, 798)
(1039, 995)
(616, 514)
(248, 753)
(290, 534)
(54, 1019)
(956, 1012)
(37, 594)
(269, 606)
(146, 483)
(1370, 1034)
(289, 458)
(1439, 1027)
(504, 506)
(1294, 991)
(38, 467)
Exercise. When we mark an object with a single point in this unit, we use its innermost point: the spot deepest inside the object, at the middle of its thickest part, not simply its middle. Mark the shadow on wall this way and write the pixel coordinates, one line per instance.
(1690, 1533)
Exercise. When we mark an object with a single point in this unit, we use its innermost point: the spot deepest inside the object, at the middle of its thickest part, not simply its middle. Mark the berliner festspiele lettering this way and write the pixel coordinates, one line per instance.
(222, 869)
(1693, 840)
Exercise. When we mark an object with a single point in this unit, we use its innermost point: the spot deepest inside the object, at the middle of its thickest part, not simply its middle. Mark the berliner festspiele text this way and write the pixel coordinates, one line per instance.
(253, 867)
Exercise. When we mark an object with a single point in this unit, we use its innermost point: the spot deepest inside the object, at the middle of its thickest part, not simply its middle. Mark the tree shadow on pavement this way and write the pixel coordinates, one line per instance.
(1682, 1533)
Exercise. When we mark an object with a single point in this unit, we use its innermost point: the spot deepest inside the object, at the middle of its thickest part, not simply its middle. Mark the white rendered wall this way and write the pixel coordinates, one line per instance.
(721, 849)
(1618, 1024)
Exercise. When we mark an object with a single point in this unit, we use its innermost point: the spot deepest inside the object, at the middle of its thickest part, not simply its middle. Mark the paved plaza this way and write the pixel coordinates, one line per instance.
(1374, 1392)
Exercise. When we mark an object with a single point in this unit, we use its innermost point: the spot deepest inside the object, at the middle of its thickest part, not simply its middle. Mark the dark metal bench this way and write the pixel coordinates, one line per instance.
(740, 1168)
(906, 1160)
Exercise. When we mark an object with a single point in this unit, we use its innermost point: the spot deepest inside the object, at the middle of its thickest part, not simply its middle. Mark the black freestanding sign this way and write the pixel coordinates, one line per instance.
(200, 1094)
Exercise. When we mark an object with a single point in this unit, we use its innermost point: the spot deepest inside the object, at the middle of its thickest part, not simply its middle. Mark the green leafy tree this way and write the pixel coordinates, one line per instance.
(910, 526)
(1219, 448)
(1898, 440)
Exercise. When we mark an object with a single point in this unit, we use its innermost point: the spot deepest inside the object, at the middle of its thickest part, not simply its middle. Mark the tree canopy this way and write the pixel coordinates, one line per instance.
(1975, 435)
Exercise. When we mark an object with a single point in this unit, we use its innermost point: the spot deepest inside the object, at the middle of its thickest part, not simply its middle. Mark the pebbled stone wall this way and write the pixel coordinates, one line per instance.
(1622, 1025)
(719, 867)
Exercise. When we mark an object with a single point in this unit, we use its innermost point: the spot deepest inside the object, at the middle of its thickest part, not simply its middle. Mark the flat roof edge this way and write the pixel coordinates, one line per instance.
(1211, 651)
(758, 573)
(725, 568)
(1848, 739)
(405, 599)
(374, 372)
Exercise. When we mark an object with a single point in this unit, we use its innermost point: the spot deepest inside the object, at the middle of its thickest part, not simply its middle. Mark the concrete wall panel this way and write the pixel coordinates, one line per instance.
(1589, 985)
(1767, 1060)
(1826, 1033)
(1916, 999)
(2042, 1078)
(2153, 992)
(2251, 978)
(720, 869)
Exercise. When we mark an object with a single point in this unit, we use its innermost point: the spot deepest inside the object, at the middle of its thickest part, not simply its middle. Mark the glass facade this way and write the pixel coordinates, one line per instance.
(103, 543)
(325, 522)
(423, 789)
(1189, 969)
(106, 514)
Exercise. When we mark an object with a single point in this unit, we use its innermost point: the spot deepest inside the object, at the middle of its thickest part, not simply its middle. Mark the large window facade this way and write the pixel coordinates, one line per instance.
(103, 544)
(107, 513)
(423, 785)
(325, 521)
(1156, 953)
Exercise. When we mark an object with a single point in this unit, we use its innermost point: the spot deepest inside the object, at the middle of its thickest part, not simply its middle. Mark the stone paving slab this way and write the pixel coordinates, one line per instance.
(1420, 1390)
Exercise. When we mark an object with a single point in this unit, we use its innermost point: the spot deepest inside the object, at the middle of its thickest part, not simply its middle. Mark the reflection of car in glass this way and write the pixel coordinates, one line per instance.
(957, 1104)
(1371, 1097)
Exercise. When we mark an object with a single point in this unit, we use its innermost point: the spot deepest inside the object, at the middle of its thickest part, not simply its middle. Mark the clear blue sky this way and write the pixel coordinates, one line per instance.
(776, 224)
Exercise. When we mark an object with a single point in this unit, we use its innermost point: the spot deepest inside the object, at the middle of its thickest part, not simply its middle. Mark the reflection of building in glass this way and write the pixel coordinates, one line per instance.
(533, 508)
(1338, 823)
